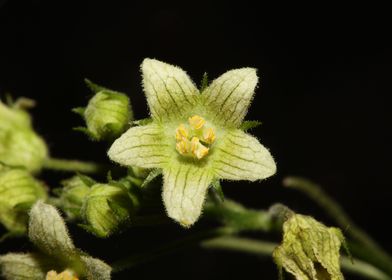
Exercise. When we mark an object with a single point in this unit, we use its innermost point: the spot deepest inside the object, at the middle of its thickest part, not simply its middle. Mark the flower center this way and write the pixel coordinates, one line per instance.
(194, 140)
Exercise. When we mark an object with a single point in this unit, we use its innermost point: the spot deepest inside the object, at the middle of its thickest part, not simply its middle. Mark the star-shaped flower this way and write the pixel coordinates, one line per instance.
(194, 136)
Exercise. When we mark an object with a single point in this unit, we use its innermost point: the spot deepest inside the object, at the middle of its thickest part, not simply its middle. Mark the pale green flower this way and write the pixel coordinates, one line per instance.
(19, 144)
(194, 136)
(310, 250)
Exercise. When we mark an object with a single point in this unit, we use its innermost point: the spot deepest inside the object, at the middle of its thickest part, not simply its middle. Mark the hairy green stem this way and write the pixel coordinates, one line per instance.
(72, 165)
(263, 248)
(370, 250)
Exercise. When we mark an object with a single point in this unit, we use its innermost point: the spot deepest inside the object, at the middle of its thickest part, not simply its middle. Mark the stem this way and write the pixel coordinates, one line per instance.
(375, 254)
(174, 246)
(263, 248)
(72, 165)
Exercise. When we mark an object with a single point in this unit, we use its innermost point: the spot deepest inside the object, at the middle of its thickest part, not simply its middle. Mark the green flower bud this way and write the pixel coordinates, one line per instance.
(19, 144)
(25, 266)
(310, 250)
(73, 194)
(107, 114)
(19, 191)
(106, 208)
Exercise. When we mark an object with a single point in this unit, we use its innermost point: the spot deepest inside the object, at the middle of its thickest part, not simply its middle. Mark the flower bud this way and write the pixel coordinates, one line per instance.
(19, 144)
(73, 194)
(309, 250)
(107, 114)
(19, 191)
(25, 266)
(106, 208)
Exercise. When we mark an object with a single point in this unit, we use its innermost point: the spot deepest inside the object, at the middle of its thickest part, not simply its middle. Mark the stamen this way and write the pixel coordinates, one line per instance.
(209, 135)
(183, 146)
(196, 122)
(181, 132)
(188, 138)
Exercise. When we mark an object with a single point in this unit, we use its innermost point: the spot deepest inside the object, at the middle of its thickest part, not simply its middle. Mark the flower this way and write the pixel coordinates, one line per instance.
(107, 115)
(58, 257)
(309, 250)
(19, 144)
(19, 190)
(194, 136)
(102, 208)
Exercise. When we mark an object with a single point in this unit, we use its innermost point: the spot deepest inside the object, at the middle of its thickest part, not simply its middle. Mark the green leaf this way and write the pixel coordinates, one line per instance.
(217, 189)
(143, 121)
(79, 111)
(94, 87)
(204, 82)
(247, 125)
(151, 176)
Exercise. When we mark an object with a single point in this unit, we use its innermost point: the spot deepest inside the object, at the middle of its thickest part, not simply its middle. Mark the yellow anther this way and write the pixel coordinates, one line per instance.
(196, 122)
(183, 146)
(201, 151)
(209, 135)
(198, 149)
(194, 144)
(65, 275)
(181, 132)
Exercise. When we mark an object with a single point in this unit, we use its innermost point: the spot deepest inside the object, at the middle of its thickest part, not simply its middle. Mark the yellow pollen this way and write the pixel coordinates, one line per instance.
(181, 132)
(194, 140)
(201, 151)
(183, 146)
(209, 135)
(65, 275)
(196, 122)
(194, 144)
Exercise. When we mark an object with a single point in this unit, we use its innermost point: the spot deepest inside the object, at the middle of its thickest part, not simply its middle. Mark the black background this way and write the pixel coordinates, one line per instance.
(323, 98)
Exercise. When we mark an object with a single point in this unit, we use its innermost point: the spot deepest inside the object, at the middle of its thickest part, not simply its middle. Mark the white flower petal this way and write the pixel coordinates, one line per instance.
(228, 97)
(48, 232)
(140, 146)
(242, 157)
(184, 192)
(169, 90)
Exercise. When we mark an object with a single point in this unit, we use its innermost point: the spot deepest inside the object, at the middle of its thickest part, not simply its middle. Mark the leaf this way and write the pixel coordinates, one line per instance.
(217, 189)
(151, 176)
(204, 82)
(79, 111)
(247, 125)
(94, 87)
(142, 121)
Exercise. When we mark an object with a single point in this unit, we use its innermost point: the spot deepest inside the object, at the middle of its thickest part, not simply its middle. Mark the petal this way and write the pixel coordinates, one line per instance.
(140, 146)
(242, 157)
(184, 191)
(169, 90)
(48, 232)
(228, 97)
